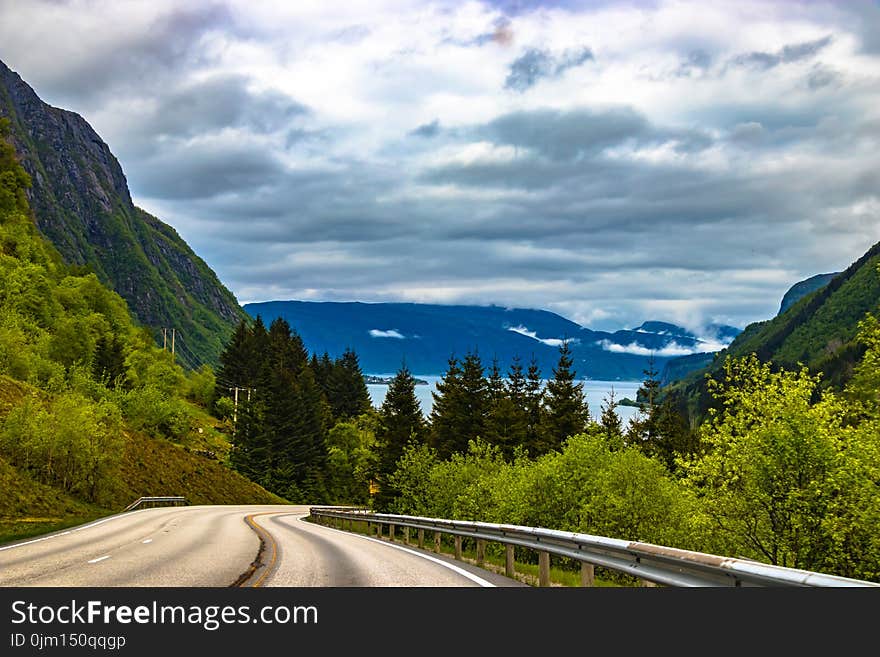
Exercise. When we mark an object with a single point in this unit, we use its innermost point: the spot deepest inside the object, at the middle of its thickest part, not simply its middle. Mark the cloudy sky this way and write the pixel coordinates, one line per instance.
(610, 161)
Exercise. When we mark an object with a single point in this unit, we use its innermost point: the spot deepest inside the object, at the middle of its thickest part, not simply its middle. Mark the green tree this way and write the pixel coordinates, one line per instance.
(768, 476)
(566, 412)
(348, 396)
(400, 424)
(108, 363)
(533, 405)
(609, 420)
(447, 410)
(506, 420)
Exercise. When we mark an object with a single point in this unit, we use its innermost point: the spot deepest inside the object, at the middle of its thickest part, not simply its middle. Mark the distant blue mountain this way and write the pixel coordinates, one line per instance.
(384, 335)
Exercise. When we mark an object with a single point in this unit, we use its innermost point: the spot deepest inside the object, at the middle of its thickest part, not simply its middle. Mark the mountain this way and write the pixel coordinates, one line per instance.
(802, 288)
(425, 335)
(818, 330)
(82, 204)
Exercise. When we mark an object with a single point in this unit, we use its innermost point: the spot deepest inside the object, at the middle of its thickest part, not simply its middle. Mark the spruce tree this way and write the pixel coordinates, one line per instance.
(533, 405)
(400, 423)
(446, 411)
(506, 421)
(610, 423)
(236, 360)
(475, 402)
(348, 394)
(643, 428)
(566, 412)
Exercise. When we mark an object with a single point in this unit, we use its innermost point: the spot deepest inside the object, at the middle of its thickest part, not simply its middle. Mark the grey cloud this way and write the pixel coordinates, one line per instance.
(789, 53)
(534, 64)
(108, 67)
(822, 76)
(192, 171)
(563, 135)
(696, 61)
(431, 129)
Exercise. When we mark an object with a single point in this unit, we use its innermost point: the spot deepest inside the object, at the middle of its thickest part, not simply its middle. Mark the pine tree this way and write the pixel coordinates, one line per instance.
(311, 428)
(475, 402)
(447, 410)
(642, 429)
(533, 404)
(348, 394)
(609, 421)
(566, 412)
(400, 423)
(506, 422)
(236, 360)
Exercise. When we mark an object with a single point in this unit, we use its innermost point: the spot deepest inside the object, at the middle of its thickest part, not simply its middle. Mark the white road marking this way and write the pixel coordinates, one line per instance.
(106, 556)
(78, 529)
(461, 571)
(149, 540)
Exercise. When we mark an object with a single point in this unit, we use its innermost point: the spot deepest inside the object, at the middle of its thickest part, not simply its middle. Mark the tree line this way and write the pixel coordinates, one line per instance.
(288, 402)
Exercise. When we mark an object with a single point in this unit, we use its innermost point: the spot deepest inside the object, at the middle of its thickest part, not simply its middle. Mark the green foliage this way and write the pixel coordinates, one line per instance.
(70, 442)
(565, 407)
(584, 487)
(94, 372)
(351, 459)
(778, 480)
(400, 424)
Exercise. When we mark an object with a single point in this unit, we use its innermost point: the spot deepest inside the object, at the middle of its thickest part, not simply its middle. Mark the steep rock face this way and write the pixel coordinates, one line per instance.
(82, 204)
(802, 288)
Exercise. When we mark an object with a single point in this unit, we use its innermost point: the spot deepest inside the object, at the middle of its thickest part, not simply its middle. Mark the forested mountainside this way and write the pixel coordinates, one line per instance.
(81, 201)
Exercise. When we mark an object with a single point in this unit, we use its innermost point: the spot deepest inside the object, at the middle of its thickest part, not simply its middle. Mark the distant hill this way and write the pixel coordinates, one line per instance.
(818, 330)
(802, 288)
(678, 368)
(425, 335)
(82, 204)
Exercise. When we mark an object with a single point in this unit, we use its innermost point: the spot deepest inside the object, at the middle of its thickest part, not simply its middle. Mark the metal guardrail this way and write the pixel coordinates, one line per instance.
(141, 501)
(651, 563)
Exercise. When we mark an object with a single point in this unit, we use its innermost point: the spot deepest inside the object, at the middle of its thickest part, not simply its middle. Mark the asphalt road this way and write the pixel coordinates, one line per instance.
(222, 546)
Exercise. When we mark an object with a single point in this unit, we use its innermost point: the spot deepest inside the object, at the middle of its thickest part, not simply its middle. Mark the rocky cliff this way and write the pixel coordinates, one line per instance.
(81, 202)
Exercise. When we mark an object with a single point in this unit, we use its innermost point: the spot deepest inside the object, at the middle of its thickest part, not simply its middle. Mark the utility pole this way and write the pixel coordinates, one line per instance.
(235, 392)
(235, 408)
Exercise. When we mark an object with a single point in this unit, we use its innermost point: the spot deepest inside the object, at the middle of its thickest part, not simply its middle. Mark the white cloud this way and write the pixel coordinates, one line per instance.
(672, 349)
(550, 342)
(392, 333)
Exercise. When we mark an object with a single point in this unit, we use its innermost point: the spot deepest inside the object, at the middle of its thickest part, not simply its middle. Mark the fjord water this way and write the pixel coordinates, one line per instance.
(594, 390)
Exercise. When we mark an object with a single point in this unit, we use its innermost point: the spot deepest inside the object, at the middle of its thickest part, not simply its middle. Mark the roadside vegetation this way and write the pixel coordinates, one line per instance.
(93, 414)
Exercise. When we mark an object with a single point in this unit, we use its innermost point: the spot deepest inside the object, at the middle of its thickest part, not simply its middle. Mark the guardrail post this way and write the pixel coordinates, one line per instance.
(379, 529)
(437, 542)
(588, 574)
(422, 538)
(509, 563)
(391, 533)
(543, 568)
(481, 552)
(647, 584)
(458, 547)
(406, 535)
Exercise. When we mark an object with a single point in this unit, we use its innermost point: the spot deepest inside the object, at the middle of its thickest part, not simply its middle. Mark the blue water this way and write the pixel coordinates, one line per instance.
(595, 392)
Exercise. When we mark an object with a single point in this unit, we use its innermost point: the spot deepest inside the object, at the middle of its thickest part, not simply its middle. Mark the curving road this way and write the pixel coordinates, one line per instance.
(225, 546)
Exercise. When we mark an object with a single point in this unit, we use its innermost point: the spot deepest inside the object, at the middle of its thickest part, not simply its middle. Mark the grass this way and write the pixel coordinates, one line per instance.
(526, 573)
